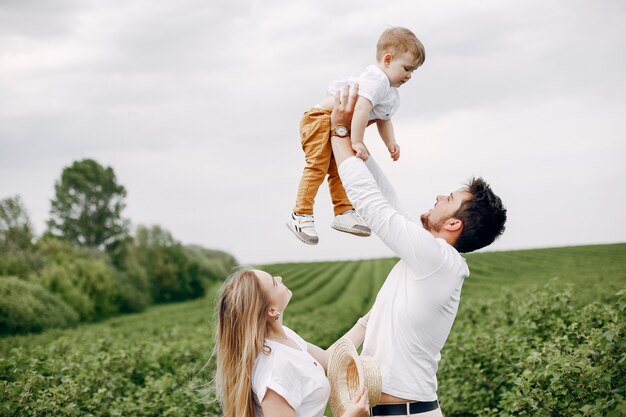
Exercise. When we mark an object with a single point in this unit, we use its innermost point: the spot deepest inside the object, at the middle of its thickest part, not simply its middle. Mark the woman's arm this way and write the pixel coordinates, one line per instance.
(356, 335)
(274, 405)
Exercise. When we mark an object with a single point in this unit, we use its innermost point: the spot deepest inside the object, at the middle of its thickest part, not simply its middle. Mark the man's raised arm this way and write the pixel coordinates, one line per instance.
(406, 238)
(342, 116)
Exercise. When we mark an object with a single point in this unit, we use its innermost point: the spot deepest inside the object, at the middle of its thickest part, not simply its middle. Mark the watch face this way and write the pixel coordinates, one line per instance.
(341, 131)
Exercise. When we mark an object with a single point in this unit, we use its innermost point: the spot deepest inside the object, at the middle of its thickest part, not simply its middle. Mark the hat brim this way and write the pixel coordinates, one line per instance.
(348, 373)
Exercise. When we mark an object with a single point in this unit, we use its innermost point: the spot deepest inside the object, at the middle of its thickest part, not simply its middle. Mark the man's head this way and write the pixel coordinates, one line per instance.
(469, 218)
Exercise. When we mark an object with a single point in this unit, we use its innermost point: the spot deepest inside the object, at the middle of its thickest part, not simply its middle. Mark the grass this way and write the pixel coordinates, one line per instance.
(149, 363)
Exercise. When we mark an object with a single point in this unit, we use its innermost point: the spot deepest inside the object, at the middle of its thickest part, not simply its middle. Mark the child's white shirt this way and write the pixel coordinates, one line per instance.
(374, 86)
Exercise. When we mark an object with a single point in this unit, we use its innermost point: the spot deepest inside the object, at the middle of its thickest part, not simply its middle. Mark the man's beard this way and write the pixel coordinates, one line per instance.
(428, 225)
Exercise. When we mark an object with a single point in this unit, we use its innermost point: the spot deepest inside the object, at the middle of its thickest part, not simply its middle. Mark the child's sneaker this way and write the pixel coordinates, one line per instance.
(303, 226)
(350, 222)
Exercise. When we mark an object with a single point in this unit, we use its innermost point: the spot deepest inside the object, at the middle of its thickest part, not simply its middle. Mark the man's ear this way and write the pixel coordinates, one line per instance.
(453, 225)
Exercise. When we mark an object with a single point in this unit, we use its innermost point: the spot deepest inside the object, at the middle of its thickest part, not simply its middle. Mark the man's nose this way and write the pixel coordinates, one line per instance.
(280, 279)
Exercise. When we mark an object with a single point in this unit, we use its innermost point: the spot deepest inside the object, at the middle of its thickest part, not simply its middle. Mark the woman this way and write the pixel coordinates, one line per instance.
(264, 368)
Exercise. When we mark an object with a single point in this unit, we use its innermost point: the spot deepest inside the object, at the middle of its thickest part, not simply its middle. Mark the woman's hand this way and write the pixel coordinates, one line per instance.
(359, 407)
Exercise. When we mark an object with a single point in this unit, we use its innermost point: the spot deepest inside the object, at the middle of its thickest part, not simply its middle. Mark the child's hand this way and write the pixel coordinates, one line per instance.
(361, 151)
(394, 150)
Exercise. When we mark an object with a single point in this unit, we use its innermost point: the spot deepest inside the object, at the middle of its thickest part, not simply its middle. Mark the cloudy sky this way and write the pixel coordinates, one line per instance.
(196, 105)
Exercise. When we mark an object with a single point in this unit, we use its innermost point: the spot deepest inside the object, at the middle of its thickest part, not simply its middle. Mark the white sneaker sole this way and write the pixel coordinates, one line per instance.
(351, 230)
(298, 236)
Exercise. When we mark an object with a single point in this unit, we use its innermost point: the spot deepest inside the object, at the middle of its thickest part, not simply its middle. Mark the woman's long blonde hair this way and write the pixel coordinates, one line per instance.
(240, 334)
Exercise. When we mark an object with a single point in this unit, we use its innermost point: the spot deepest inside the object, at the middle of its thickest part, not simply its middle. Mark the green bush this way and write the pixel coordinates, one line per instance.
(208, 266)
(216, 264)
(534, 353)
(133, 297)
(27, 307)
(540, 357)
(90, 286)
(132, 276)
(20, 263)
(135, 365)
(178, 272)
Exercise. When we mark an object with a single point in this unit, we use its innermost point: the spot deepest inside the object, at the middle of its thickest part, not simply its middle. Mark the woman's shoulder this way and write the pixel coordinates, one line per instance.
(275, 366)
(276, 358)
(296, 338)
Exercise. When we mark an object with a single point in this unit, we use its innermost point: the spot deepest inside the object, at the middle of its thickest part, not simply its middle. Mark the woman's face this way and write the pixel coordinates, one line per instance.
(278, 294)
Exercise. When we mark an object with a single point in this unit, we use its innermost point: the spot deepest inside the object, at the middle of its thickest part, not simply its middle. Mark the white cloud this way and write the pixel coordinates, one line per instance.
(196, 105)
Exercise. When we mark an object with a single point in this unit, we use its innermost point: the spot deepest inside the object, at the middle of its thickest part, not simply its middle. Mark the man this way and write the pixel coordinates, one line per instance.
(416, 306)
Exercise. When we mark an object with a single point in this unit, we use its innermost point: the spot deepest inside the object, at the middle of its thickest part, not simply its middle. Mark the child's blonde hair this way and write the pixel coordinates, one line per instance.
(398, 40)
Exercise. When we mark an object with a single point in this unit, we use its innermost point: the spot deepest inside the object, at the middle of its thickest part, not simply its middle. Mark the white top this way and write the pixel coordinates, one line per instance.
(416, 306)
(374, 86)
(293, 374)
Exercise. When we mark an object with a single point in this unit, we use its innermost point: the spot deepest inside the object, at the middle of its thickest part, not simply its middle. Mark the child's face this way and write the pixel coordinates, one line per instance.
(399, 68)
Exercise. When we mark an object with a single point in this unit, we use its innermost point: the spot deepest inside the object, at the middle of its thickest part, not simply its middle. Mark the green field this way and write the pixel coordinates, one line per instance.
(510, 349)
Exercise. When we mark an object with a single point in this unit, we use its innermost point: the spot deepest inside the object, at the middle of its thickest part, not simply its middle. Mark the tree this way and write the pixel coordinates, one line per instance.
(18, 254)
(87, 207)
(16, 231)
(165, 262)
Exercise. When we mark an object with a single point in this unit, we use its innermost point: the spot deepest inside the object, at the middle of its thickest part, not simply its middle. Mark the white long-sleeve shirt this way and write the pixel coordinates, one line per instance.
(416, 306)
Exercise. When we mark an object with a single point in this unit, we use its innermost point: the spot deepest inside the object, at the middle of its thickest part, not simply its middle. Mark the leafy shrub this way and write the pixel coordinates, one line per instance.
(136, 365)
(134, 296)
(20, 262)
(518, 354)
(27, 307)
(132, 276)
(90, 286)
(538, 357)
(211, 265)
(177, 272)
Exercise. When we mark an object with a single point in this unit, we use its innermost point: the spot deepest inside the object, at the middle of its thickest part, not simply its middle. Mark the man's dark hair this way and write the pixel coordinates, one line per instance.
(483, 217)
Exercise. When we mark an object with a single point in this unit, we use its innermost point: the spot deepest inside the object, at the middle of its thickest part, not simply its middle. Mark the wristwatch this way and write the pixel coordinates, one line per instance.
(340, 131)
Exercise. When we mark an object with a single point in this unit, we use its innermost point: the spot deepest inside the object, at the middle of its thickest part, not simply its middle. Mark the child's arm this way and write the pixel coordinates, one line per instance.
(385, 129)
(359, 123)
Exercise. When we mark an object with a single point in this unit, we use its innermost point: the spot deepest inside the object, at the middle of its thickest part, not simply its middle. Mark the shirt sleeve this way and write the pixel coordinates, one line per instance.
(282, 378)
(406, 238)
(386, 187)
(370, 87)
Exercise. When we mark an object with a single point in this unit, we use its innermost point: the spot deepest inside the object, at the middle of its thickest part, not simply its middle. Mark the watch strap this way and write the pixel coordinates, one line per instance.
(334, 132)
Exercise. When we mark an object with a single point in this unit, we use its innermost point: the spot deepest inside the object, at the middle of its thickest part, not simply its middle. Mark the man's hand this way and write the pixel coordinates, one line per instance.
(345, 100)
(342, 115)
(361, 150)
(394, 150)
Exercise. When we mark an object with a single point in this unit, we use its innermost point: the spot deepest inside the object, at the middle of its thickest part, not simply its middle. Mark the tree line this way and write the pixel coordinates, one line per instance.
(87, 265)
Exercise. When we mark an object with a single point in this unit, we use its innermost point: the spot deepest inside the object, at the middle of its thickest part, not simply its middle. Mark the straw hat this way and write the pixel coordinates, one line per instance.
(347, 373)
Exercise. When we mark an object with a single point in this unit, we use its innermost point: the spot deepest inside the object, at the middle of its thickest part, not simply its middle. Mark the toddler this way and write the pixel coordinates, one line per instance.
(398, 54)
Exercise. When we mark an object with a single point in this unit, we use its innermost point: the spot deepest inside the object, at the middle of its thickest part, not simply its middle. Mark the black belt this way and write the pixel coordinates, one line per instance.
(403, 409)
